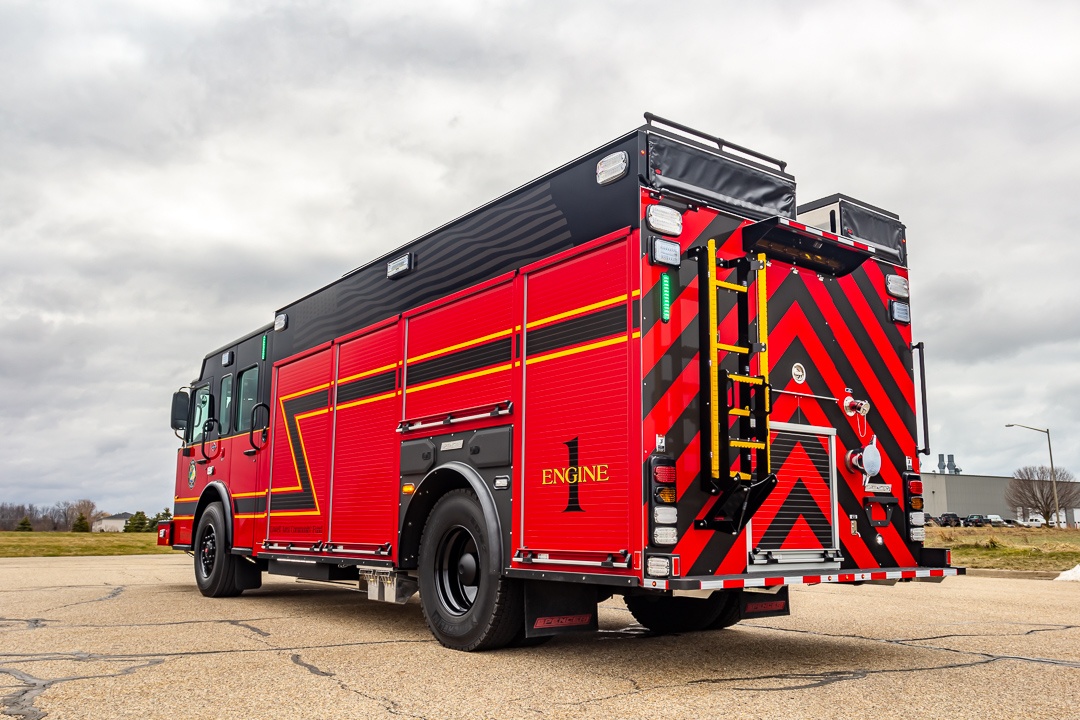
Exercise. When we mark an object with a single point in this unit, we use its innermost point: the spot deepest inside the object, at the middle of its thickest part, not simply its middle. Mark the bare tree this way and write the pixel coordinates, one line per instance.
(1031, 490)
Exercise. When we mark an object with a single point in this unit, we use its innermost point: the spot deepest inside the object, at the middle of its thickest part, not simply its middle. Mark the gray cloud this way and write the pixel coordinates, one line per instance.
(170, 175)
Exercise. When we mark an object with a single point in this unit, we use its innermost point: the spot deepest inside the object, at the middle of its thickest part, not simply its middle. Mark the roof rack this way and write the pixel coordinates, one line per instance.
(652, 119)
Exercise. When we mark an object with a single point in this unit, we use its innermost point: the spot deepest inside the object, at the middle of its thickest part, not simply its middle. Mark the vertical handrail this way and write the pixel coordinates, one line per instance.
(714, 366)
(763, 357)
(922, 386)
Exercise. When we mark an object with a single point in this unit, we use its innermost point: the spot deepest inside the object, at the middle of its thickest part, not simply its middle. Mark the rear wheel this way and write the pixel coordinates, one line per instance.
(467, 605)
(730, 609)
(664, 614)
(215, 566)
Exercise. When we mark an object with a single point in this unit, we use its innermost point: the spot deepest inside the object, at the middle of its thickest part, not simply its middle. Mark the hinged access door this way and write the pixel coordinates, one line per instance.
(796, 525)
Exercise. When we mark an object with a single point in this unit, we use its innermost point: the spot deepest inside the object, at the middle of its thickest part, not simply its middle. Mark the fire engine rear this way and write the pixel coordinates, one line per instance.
(647, 373)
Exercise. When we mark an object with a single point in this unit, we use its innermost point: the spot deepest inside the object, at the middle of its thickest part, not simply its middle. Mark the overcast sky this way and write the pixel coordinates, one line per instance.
(173, 172)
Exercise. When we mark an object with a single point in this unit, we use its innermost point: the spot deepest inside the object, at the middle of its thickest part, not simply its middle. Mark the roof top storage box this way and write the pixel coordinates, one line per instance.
(853, 218)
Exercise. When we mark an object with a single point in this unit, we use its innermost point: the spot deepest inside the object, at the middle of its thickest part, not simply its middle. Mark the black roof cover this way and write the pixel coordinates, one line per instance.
(748, 190)
(862, 220)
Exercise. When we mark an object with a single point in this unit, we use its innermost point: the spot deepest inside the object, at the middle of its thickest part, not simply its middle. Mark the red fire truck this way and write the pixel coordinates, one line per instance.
(646, 373)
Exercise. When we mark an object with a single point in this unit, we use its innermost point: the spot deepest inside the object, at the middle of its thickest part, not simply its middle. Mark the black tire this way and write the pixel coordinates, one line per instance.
(730, 610)
(215, 566)
(466, 605)
(663, 614)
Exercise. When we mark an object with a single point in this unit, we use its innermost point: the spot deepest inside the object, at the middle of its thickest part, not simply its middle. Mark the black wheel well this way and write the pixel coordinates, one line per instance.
(428, 492)
(212, 494)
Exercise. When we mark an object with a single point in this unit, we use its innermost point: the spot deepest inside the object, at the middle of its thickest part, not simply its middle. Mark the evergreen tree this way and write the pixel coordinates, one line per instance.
(136, 523)
(24, 525)
(164, 516)
(80, 524)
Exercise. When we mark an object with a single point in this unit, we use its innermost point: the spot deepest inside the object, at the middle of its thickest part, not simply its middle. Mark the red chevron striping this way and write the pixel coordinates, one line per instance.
(873, 328)
(855, 355)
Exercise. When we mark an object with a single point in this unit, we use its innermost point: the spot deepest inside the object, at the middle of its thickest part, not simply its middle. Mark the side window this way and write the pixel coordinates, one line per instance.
(249, 398)
(201, 413)
(225, 402)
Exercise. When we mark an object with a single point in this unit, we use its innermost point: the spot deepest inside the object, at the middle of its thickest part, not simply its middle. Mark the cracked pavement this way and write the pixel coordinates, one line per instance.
(121, 637)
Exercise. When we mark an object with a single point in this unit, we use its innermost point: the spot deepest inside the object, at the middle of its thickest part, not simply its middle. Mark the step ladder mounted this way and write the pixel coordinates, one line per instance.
(735, 447)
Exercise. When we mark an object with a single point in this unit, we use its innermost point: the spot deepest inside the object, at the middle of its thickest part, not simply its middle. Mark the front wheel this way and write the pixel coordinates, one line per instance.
(215, 566)
(467, 605)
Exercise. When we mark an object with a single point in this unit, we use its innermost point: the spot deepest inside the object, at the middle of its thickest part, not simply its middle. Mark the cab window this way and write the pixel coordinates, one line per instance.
(249, 398)
(225, 401)
(200, 414)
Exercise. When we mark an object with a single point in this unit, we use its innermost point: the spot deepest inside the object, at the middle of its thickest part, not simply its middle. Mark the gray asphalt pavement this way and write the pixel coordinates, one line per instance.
(130, 637)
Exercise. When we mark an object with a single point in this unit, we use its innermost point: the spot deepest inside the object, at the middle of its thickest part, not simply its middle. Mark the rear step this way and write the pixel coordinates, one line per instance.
(740, 485)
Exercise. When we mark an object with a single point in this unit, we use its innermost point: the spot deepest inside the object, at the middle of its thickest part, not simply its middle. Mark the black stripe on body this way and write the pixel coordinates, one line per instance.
(374, 385)
(474, 358)
(248, 505)
(583, 328)
(185, 508)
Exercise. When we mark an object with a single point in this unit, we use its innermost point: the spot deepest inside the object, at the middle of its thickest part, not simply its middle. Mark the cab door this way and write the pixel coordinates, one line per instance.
(248, 417)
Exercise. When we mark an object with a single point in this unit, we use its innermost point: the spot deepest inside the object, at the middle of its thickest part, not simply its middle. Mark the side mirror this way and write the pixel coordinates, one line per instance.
(181, 406)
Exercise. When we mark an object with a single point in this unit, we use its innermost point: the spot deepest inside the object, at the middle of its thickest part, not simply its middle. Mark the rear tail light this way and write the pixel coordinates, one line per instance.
(664, 474)
(915, 487)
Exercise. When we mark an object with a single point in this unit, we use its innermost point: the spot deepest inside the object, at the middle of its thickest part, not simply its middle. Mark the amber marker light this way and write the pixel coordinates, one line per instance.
(408, 489)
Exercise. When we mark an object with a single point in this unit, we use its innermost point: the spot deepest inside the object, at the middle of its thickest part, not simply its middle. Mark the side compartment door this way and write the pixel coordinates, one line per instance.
(300, 462)
(577, 489)
(250, 414)
(367, 410)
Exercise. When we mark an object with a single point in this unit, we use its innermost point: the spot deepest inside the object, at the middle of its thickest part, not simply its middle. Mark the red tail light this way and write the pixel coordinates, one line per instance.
(915, 487)
(664, 474)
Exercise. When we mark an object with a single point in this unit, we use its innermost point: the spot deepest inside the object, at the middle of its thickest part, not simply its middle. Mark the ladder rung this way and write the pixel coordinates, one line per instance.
(729, 286)
(750, 444)
(743, 412)
(749, 380)
(733, 348)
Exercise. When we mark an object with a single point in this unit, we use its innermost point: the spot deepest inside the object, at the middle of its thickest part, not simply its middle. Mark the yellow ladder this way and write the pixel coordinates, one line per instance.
(744, 396)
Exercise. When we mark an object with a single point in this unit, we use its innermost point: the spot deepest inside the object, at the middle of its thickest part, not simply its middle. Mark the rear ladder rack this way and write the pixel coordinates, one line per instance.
(737, 404)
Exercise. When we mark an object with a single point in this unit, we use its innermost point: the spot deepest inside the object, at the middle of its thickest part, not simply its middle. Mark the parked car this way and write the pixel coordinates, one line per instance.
(976, 521)
(1009, 522)
(995, 520)
(949, 520)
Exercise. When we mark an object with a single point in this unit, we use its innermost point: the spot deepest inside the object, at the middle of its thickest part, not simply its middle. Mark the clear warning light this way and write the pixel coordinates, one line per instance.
(664, 220)
(612, 167)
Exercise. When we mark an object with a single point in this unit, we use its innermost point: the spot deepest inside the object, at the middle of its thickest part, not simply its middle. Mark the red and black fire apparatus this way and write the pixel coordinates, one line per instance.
(647, 373)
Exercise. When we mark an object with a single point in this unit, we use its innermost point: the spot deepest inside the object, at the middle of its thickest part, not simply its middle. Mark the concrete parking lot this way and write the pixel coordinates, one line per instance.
(131, 637)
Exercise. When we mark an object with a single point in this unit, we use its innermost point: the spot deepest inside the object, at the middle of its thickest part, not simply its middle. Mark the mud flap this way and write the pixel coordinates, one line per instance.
(554, 608)
(760, 604)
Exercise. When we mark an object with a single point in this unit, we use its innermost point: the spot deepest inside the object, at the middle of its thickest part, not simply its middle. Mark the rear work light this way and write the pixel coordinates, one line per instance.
(664, 220)
(665, 515)
(916, 519)
(918, 534)
(665, 535)
(897, 286)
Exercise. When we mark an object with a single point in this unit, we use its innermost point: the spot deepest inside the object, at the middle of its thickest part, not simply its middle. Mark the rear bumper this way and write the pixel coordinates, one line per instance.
(772, 580)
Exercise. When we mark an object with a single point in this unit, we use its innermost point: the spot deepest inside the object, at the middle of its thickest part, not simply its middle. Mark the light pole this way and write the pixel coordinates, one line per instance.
(1053, 475)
